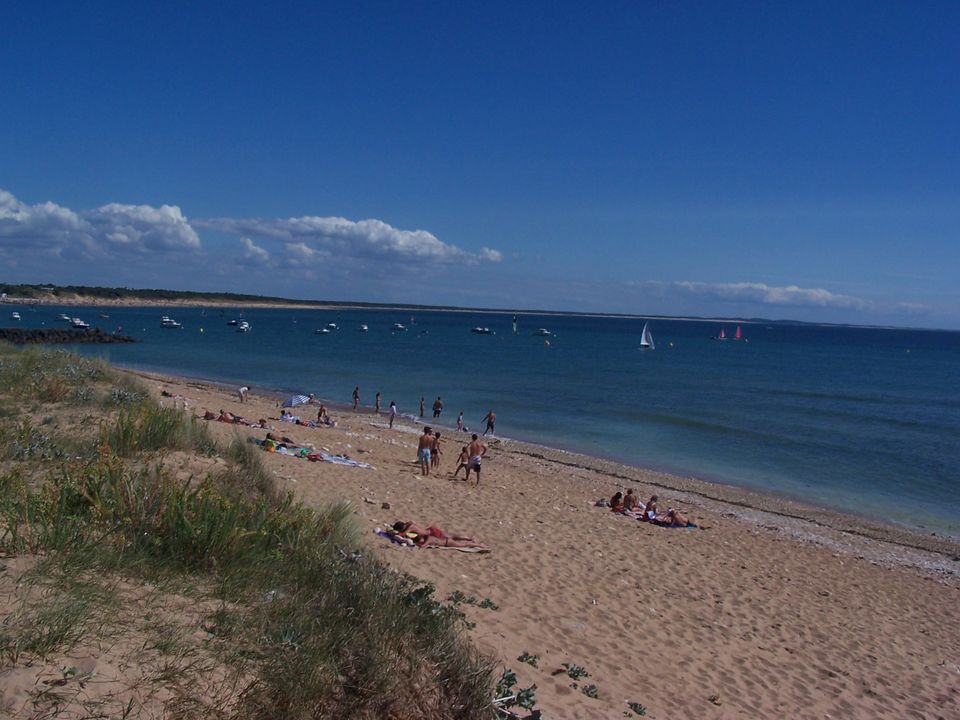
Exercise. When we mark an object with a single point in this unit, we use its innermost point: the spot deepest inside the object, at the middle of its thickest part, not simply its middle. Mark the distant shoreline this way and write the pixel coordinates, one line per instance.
(84, 301)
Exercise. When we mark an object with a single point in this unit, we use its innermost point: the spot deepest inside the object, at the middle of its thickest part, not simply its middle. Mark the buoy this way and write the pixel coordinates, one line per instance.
(201, 329)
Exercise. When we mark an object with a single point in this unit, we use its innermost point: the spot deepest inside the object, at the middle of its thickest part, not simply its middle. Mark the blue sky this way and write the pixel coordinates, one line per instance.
(721, 159)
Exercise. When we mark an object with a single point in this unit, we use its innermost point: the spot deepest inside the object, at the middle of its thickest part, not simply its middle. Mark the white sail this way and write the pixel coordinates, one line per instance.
(646, 339)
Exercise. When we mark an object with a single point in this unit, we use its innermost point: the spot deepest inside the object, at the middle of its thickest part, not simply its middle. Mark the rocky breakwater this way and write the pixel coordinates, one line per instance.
(20, 336)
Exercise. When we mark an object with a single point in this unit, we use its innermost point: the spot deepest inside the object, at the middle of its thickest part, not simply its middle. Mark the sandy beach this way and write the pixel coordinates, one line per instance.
(768, 609)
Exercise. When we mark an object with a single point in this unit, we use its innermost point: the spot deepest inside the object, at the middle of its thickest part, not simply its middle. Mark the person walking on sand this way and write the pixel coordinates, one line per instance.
(490, 418)
(376, 403)
(422, 401)
(393, 412)
(475, 451)
(423, 451)
(356, 397)
(437, 407)
(462, 460)
(242, 392)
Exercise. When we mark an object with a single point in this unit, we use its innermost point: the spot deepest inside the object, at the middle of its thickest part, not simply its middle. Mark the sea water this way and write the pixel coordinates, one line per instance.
(864, 420)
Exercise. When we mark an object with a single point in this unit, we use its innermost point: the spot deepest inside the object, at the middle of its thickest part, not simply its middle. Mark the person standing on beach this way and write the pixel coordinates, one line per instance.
(476, 450)
(435, 451)
(490, 418)
(423, 451)
(421, 405)
(393, 412)
(356, 397)
(437, 407)
(462, 460)
(460, 422)
(376, 403)
(242, 392)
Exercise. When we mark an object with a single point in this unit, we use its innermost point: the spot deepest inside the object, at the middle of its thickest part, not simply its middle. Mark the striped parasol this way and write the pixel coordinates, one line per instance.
(295, 400)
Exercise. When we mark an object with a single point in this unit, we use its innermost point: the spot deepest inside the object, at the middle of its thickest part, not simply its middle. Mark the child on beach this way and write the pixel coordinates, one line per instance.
(462, 459)
(436, 452)
(393, 412)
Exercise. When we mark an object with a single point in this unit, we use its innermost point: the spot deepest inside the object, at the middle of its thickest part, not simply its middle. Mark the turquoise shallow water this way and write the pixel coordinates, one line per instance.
(864, 420)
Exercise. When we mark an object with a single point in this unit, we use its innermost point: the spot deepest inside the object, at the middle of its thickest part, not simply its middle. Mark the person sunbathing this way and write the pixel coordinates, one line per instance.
(672, 518)
(630, 502)
(435, 537)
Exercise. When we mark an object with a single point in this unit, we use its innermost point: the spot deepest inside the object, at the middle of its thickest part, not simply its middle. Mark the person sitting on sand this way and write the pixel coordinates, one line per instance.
(616, 502)
(630, 502)
(650, 509)
(435, 537)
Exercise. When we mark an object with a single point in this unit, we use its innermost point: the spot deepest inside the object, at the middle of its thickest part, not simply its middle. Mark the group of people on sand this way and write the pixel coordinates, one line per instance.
(435, 537)
(429, 452)
(631, 506)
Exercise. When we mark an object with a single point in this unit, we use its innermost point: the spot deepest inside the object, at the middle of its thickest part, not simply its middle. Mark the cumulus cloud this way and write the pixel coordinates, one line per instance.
(772, 295)
(347, 238)
(253, 252)
(111, 229)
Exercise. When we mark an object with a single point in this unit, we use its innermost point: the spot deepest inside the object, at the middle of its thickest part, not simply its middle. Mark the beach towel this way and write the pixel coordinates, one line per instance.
(338, 460)
(393, 537)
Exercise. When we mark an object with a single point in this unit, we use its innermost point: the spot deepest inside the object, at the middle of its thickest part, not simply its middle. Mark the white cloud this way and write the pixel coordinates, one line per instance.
(772, 295)
(142, 227)
(253, 252)
(348, 238)
(107, 230)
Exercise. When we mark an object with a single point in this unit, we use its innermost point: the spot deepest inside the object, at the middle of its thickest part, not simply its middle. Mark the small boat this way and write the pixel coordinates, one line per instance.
(322, 331)
(482, 331)
(79, 324)
(646, 339)
(364, 328)
(398, 327)
(514, 324)
(169, 322)
(332, 326)
(722, 335)
(104, 315)
(14, 315)
(737, 335)
(243, 326)
(543, 332)
(64, 317)
(232, 322)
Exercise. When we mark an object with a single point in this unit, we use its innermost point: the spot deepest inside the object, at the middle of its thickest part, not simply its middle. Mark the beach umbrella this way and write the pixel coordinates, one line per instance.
(295, 400)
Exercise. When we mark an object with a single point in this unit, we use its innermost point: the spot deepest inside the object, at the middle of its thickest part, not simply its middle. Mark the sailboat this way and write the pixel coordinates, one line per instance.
(738, 335)
(722, 335)
(646, 339)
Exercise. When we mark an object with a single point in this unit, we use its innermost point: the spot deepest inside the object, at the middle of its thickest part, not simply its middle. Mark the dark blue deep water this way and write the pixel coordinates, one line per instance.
(865, 420)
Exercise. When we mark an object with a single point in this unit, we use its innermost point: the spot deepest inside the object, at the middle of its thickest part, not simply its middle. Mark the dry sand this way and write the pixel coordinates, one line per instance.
(768, 610)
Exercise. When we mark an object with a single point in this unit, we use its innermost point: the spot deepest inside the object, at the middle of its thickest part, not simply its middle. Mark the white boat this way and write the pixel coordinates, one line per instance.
(482, 331)
(169, 322)
(64, 317)
(646, 339)
(364, 328)
(79, 324)
(243, 326)
(332, 326)
(322, 331)
(399, 327)
(14, 315)
(543, 332)
(233, 322)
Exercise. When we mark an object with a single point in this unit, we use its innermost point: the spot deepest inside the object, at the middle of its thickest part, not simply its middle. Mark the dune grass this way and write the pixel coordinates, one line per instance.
(316, 628)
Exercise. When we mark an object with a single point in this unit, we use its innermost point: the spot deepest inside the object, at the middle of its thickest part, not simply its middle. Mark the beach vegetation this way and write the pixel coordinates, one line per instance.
(576, 672)
(637, 708)
(526, 657)
(297, 620)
